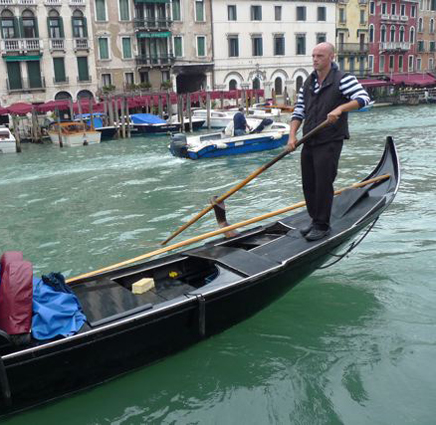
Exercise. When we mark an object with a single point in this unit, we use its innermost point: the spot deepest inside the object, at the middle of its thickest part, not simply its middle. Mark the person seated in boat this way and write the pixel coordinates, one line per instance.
(240, 123)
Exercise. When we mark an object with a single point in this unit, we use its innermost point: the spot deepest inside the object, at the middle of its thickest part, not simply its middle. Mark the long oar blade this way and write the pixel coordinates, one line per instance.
(245, 181)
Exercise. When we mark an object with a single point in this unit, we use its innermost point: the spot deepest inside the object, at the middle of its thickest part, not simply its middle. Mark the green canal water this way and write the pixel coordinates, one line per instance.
(352, 344)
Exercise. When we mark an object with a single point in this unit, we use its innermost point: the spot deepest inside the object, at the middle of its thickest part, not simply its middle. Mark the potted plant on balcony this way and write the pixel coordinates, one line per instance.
(145, 85)
(166, 85)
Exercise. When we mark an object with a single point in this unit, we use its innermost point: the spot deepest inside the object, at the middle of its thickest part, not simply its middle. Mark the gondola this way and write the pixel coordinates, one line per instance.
(197, 293)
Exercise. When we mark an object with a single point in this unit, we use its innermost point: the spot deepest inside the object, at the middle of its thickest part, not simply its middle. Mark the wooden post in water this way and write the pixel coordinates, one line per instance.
(123, 118)
(91, 114)
(16, 133)
(128, 128)
(169, 108)
(34, 125)
(159, 106)
(182, 115)
(208, 110)
(106, 111)
(222, 99)
(70, 104)
(79, 106)
(110, 107)
(58, 118)
(188, 110)
(114, 105)
(200, 101)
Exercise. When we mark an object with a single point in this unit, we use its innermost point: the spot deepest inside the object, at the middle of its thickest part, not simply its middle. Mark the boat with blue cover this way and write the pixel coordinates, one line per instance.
(149, 123)
(266, 135)
(107, 132)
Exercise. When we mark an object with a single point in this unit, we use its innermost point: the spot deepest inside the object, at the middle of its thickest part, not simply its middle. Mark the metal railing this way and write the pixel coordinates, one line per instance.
(352, 48)
(81, 44)
(77, 2)
(23, 45)
(6, 2)
(26, 85)
(26, 2)
(395, 45)
(150, 23)
(52, 2)
(162, 59)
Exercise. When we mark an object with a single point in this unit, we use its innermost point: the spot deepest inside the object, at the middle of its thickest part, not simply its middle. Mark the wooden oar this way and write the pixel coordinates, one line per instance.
(245, 181)
(218, 232)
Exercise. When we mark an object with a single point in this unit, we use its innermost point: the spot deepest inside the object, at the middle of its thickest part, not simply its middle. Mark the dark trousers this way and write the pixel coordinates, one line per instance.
(319, 166)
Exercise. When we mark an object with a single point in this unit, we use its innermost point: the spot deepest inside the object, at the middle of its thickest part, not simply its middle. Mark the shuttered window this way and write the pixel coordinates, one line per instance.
(82, 65)
(124, 10)
(34, 73)
(14, 75)
(127, 48)
(103, 47)
(59, 70)
(100, 10)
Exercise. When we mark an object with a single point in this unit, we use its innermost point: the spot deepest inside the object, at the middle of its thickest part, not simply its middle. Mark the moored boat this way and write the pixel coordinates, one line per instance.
(73, 134)
(7, 141)
(218, 119)
(108, 132)
(266, 135)
(196, 293)
(149, 123)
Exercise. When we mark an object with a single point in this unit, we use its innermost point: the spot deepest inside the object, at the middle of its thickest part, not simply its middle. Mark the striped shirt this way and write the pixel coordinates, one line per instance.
(348, 86)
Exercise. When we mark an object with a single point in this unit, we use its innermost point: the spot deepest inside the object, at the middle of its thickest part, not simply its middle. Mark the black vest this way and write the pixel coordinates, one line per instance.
(318, 105)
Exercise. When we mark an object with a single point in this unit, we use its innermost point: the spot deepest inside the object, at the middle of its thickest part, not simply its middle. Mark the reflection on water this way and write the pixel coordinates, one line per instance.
(354, 343)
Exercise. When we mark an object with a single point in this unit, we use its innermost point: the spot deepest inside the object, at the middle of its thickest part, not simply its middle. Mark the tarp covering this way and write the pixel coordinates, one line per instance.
(55, 312)
(414, 79)
(146, 119)
(16, 297)
(98, 119)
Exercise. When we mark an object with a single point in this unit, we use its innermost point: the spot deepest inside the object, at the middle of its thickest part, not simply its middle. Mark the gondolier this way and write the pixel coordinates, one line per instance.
(328, 93)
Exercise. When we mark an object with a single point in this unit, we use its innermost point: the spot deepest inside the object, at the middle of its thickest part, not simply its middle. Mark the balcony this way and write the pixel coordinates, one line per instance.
(26, 85)
(21, 45)
(352, 48)
(384, 17)
(59, 83)
(404, 18)
(6, 2)
(81, 44)
(75, 3)
(363, 1)
(395, 18)
(154, 60)
(395, 46)
(26, 2)
(57, 44)
(152, 24)
(53, 2)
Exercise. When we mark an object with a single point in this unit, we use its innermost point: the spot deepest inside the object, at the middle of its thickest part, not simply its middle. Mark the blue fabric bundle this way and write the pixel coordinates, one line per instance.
(56, 309)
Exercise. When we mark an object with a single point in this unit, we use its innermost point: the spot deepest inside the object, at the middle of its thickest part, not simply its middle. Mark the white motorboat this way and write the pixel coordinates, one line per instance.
(7, 141)
(218, 119)
(73, 134)
(264, 136)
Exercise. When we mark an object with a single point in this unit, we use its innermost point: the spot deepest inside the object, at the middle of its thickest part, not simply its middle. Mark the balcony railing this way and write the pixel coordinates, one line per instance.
(6, 2)
(21, 45)
(26, 85)
(363, 1)
(27, 2)
(53, 2)
(89, 80)
(60, 82)
(150, 23)
(81, 44)
(384, 17)
(395, 45)
(77, 2)
(57, 44)
(344, 48)
(147, 60)
(395, 18)
(404, 18)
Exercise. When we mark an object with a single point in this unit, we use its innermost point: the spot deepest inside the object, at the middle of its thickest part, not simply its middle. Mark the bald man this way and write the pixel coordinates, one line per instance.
(327, 94)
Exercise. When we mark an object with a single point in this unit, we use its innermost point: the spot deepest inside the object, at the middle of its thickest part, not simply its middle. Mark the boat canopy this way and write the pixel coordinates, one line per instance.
(146, 119)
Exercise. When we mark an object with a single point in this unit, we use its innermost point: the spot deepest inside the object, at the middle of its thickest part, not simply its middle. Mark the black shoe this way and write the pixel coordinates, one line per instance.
(305, 230)
(317, 234)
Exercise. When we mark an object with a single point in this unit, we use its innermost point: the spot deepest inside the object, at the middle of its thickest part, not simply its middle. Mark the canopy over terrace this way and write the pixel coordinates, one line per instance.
(414, 79)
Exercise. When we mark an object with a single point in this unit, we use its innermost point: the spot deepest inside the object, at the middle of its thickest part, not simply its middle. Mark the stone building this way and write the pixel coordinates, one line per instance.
(426, 36)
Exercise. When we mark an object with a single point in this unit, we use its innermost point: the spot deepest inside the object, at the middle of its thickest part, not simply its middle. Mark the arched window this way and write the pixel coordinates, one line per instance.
(382, 33)
(431, 26)
(55, 25)
(278, 86)
(299, 83)
(79, 25)
(392, 33)
(63, 95)
(233, 84)
(420, 25)
(30, 27)
(371, 33)
(8, 25)
(401, 34)
(85, 94)
(412, 35)
(256, 84)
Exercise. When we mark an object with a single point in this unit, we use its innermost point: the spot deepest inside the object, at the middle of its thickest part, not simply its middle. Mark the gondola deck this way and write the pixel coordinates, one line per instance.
(198, 292)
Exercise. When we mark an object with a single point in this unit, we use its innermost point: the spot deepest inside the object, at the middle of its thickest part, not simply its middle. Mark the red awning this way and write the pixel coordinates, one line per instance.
(52, 105)
(3, 111)
(368, 83)
(20, 108)
(415, 79)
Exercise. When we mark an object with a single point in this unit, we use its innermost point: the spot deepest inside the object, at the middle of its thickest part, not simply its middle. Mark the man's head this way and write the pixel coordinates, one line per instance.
(322, 56)
(241, 109)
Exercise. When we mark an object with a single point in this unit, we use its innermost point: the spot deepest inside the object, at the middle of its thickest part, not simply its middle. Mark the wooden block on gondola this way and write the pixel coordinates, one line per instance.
(143, 285)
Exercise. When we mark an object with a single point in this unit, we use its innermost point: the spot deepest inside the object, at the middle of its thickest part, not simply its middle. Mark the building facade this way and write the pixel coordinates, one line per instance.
(47, 50)
(268, 45)
(352, 46)
(192, 44)
(425, 36)
(392, 36)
